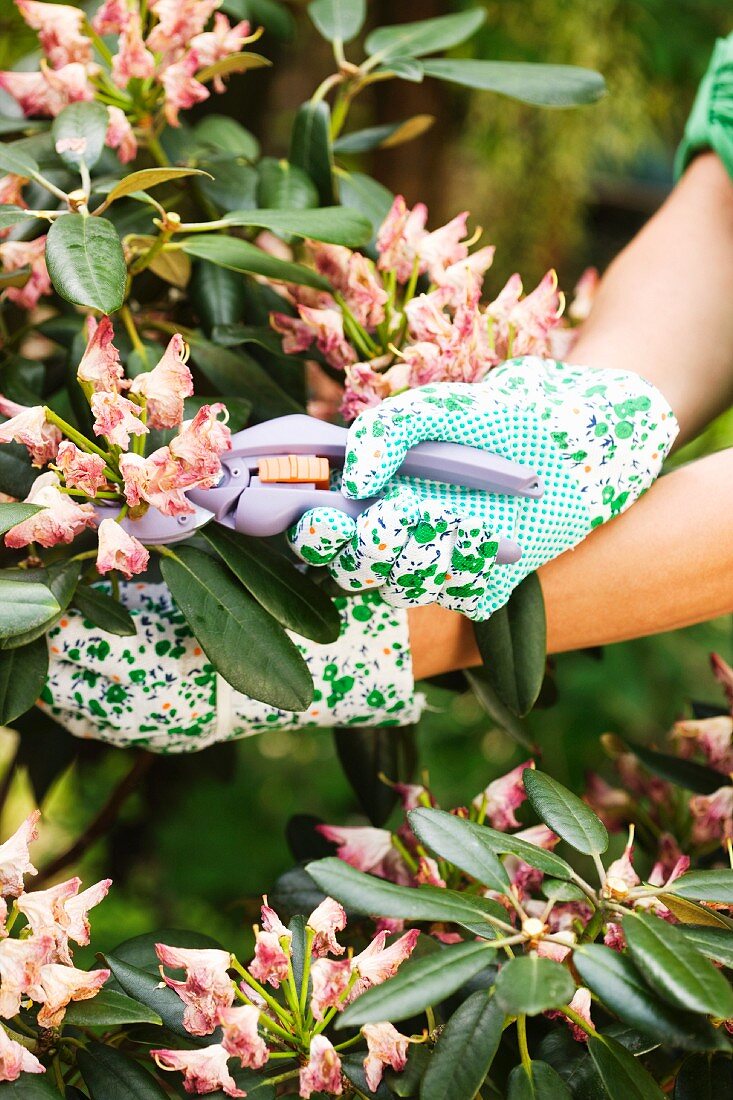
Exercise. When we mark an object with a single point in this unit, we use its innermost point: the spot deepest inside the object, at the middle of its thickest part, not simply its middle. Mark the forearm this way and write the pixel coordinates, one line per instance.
(663, 308)
(664, 564)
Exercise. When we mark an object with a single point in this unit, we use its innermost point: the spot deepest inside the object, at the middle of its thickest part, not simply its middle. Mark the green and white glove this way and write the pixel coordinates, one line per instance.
(596, 438)
(158, 691)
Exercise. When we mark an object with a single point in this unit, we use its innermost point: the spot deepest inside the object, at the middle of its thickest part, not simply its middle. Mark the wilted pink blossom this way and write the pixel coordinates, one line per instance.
(165, 386)
(355, 278)
(377, 963)
(181, 88)
(58, 985)
(270, 963)
(15, 861)
(724, 675)
(18, 254)
(59, 31)
(444, 246)
(614, 936)
(47, 91)
(536, 315)
(116, 418)
(328, 328)
(119, 550)
(156, 480)
(399, 238)
(584, 294)
(214, 45)
(133, 59)
(11, 190)
(199, 445)
(611, 804)
(502, 797)
(326, 920)
(330, 979)
(363, 847)
(120, 135)
(30, 427)
(712, 736)
(203, 1071)
(620, 875)
(20, 968)
(60, 521)
(428, 873)
(77, 910)
(81, 470)
(712, 816)
(322, 1072)
(551, 949)
(207, 987)
(637, 780)
(459, 278)
(581, 1003)
(15, 1059)
(100, 365)
(179, 22)
(297, 335)
(111, 17)
(386, 1047)
(46, 913)
(365, 385)
(272, 923)
(240, 1037)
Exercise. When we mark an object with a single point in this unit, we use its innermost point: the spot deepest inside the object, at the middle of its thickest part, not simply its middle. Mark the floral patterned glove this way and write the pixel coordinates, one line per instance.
(158, 691)
(597, 439)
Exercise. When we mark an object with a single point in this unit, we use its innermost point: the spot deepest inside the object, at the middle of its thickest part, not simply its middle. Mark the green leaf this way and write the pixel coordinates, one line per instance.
(362, 193)
(541, 85)
(338, 20)
(716, 943)
(406, 1082)
(84, 124)
(218, 132)
(239, 375)
(623, 1076)
(24, 605)
(234, 63)
(418, 984)
(366, 894)
(16, 161)
(691, 912)
(147, 178)
(271, 14)
(465, 1050)
(384, 137)
(110, 1075)
(247, 258)
(290, 597)
(61, 580)
(217, 295)
(562, 891)
(425, 36)
(478, 680)
(406, 68)
(282, 186)
(705, 886)
(333, 224)
(234, 183)
(506, 844)
(109, 1009)
(529, 985)
(145, 988)
(371, 755)
(543, 1083)
(673, 967)
(683, 773)
(85, 262)
(703, 1078)
(452, 838)
(19, 277)
(13, 514)
(103, 611)
(29, 1087)
(310, 147)
(11, 215)
(22, 677)
(565, 813)
(243, 642)
(512, 644)
(615, 980)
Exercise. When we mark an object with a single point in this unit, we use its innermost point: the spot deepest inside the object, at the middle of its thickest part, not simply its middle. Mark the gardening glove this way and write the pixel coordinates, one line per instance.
(710, 125)
(596, 438)
(158, 691)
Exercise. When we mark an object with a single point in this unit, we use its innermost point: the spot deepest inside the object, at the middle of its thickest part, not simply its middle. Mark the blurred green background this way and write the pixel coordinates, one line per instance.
(201, 837)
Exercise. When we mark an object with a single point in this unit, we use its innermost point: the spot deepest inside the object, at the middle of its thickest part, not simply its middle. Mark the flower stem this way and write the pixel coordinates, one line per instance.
(523, 1048)
(276, 1007)
(309, 936)
(129, 323)
(156, 150)
(82, 442)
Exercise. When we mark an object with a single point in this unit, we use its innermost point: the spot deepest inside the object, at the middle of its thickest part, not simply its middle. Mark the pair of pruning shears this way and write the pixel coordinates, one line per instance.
(281, 468)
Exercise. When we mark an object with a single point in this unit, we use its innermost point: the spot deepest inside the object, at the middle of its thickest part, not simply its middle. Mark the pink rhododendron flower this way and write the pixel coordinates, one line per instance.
(297, 335)
(354, 277)
(30, 427)
(179, 22)
(120, 135)
(120, 550)
(59, 27)
(713, 736)
(61, 520)
(459, 278)
(156, 480)
(502, 797)
(550, 949)
(326, 920)
(584, 294)
(58, 985)
(271, 922)
(15, 861)
(322, 1072)
(611, 804)
(377, 963)
(581, 1003)
(46, 914)
(614, 936)
(386, 1047)
(17, 254)
(166, 385)
(222, 41)
(133, 59)
(48, 91)
(100, 365)
(330, 978)
(670, 864)
(111, 17)
(428, 873)
(240, 1037)
(637, 780)
(535, 316)
(81, 470)
(399, 238)
(15, 1059)
(363, 847)
(20, 968)
(207, 987)
(203, 1070)
(199, 445)
(724, 675)
(181, 88)
(116, 418)
(328, 327)
(77, 910)
(444, 246)
(712, 816)
(620, 875)
(270, 963)
(11, 190)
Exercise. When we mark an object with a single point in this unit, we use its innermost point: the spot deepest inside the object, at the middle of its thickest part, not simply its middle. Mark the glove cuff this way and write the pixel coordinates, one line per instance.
(710, 125)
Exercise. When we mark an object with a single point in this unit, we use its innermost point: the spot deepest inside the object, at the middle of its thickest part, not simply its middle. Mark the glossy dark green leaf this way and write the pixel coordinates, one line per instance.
(85, 262)
(19, 277)
(225, 135)
(24, 605)
(543, 860)
(478, 680)
(12, 514)
(248, 259)
(512, 644)
(310, 147)
(425, 36)
(451, 838)
(61, 580)
(406, 68)
(290, 597)
(362, 893)
(716, 943)
(45, 750)
(233, 185)
(383, 137)
(11, 215)
(338, 20)
(217, 294)
(674, 968)
(562, 891)
(529, 985)
(362, 193)
(352, 1066)
(104, 612)
(705, 886)
(615, 980)
(333, 224)
(22, 677)
(465, 1050)
(704, 1078)
(10, 125)
(418, 984)
(371, 755)
(145, 987)
(541, 85)
(79, 131)
(623, 1076)
(111, 1075)
(29, 1087)
(542, 1083)
(283, 186)
(239, 375)
(683, 773)
(244, 643)
(406, 1082)
(15, 160)
(109, 1009)
(565, 813)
